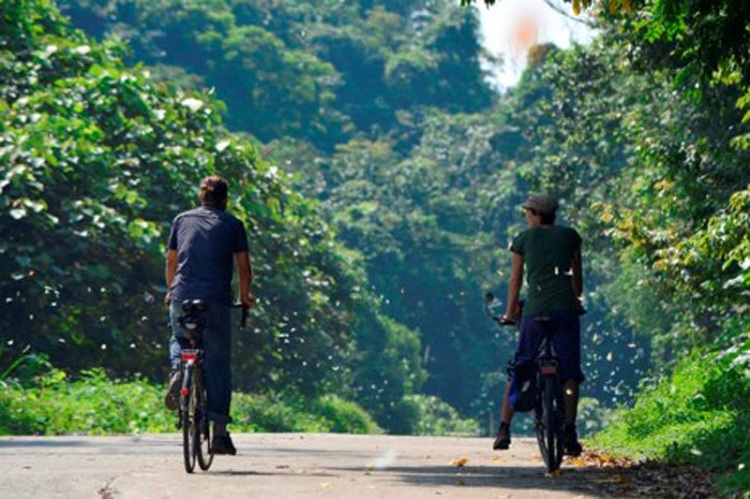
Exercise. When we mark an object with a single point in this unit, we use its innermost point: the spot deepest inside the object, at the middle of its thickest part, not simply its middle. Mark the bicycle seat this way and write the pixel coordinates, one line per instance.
(194, 306)
(542, 318)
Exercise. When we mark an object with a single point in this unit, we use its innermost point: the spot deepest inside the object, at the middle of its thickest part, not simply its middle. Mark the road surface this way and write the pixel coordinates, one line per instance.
(285, 465)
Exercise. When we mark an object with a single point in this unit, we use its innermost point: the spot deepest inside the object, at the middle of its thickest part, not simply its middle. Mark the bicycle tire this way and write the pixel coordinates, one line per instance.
(559, 418)
(551, 435)
(187, 409)
(204, 433)
(548, 424)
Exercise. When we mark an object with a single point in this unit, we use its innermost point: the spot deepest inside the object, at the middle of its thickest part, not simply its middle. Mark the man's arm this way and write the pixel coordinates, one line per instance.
(577, 278)
(514, 288)
(245, 272)
(577, 275)
(169, 272)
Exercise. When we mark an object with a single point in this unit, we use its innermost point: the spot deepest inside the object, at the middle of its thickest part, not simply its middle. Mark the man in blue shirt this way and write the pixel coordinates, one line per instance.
(204, 243)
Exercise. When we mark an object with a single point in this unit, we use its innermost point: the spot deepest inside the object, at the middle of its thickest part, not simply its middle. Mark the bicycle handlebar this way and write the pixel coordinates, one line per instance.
(245, 313)
(492, 305)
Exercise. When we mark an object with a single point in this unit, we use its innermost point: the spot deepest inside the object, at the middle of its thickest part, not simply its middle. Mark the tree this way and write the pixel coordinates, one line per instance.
(95, 160)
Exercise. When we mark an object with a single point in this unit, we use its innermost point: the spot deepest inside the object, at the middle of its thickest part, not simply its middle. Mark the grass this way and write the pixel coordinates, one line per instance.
(93, 404)
(42, 400)
(700, 414)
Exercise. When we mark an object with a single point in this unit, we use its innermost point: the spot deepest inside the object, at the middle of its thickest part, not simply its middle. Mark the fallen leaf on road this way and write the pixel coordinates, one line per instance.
(460, 462)
(620, 477)
(599, 460)
(282, 467)
(328, 485)
(605, 459)
(577, 462)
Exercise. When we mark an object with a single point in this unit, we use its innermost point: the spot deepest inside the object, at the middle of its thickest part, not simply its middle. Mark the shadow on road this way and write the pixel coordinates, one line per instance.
(521, 477)
(285, 475)
(661, 481)
(287, 451)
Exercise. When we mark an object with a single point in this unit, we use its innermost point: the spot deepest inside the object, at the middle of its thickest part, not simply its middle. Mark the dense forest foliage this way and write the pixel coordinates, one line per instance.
(406, 169)
(380, 175)
(96, 160)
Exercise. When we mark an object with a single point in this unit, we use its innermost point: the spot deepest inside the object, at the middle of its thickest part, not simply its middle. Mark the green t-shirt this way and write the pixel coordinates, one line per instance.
(547, 253)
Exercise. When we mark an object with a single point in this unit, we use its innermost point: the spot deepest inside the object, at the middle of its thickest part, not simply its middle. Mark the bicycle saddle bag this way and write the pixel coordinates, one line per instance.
(522, 379)
(192, 320)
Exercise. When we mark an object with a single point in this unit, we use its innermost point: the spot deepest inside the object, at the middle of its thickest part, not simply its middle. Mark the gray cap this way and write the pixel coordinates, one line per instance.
(542, 203)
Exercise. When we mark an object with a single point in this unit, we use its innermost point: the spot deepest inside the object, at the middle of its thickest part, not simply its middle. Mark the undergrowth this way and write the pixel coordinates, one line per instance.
(699, 414)
(51, 403)
(37, 399)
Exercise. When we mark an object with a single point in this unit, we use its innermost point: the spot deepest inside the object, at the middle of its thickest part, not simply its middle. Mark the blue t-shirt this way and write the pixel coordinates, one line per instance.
(206, 240)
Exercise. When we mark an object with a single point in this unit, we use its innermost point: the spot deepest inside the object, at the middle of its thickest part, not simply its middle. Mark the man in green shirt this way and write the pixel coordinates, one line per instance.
(551, 256)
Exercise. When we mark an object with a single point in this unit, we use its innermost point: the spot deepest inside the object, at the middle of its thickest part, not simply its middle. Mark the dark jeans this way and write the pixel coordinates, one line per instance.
(217, 346)
(566, 342)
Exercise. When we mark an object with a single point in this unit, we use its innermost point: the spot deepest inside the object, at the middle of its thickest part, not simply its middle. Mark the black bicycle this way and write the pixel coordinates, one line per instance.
(197, 432)
(549, 411)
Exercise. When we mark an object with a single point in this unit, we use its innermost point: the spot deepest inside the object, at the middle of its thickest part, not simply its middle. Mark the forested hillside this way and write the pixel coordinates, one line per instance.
(408, 171)
(381, 176)
(96, 160)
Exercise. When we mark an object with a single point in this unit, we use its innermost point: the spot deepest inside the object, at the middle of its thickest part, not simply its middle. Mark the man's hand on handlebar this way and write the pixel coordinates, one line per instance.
(246, 303)
(248, 300)
(507, 320)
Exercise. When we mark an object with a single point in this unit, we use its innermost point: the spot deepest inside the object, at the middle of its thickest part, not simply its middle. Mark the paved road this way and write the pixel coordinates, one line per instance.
(280, 466)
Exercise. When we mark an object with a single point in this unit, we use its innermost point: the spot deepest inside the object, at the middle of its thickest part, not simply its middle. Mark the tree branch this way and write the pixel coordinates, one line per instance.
(567, 15)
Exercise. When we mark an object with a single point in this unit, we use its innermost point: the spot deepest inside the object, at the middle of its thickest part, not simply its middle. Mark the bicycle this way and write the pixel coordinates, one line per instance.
(197, 433)
(549, 411)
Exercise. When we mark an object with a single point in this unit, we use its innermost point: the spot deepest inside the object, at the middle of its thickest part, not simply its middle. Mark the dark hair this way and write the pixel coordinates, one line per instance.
(547, 218)
(214, 191)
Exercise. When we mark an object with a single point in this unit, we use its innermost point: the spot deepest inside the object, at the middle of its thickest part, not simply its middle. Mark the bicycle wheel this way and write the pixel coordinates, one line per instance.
(204, 434)
(187, 408)
(548, 424)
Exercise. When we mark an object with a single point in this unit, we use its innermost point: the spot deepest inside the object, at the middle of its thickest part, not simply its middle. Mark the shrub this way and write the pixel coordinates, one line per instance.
(698, 414)
(344, 416)
(436, 417)
(290, 413)
(52, 404)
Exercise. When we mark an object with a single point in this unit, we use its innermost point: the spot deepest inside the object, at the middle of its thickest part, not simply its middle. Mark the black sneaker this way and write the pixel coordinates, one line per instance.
(172, 398)
(571, 445)
(502, 439)
(222, 444)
